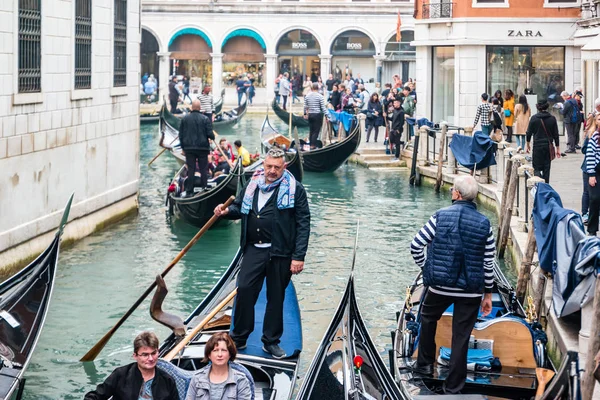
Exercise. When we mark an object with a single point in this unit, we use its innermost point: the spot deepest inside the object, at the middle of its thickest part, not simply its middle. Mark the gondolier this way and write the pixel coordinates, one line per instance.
(314, 110)
(458, 269)
(206, 103)
(274, 238)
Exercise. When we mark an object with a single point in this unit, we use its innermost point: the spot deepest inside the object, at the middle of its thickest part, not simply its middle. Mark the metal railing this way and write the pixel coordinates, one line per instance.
(83, 44)
(437, 10)
(120, 44)
(30, 46)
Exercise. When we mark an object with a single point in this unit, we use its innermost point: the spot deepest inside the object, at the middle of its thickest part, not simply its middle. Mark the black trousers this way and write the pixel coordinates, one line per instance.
(190, 160)
(543, 173)
(571, 136)
(284, 101)
(173, 106)
(315, 121)
(594, 211)
(464, 317)
(396, 140)
(256, 265)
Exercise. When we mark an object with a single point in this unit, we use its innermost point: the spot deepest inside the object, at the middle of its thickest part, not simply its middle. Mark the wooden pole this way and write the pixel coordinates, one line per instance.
(525, 270)
(539, 289)
(508, 200)
(290, 122)
(509, 163)
(438, 179)
(587, 386)
(163, 150)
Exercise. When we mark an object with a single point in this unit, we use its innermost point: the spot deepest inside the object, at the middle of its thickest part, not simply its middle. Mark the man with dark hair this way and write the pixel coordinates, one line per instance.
(484, 112)
(243, 153)
(397, 127)
(206, 103)
(173, 95)
(275, 218)
(138, 380)
(314, 110)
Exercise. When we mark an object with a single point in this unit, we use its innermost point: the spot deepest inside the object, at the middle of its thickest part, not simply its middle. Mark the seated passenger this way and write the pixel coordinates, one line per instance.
(222, 167)
(242, 152)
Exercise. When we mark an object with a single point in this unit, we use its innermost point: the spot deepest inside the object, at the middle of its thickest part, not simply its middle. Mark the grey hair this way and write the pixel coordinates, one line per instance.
(275, 152)
(315, 86)
(597, 102)
(564, 93)
(467, 186)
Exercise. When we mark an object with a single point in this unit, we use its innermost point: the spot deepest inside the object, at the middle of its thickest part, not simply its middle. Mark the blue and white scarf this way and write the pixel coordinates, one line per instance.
(285, 195)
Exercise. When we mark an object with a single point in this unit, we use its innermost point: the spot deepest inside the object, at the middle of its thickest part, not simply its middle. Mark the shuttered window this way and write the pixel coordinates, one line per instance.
(120, 44)
(83, 44)
(30, 46)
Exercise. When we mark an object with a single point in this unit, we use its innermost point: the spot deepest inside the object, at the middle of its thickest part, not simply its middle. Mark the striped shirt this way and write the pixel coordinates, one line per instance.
(483, 111)
(314, 103)
(206, 103)
(425, 236)
(592, 154)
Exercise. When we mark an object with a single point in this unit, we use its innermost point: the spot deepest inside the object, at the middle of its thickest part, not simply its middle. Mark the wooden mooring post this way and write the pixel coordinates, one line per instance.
(438, 179)
(509, 163)
(526, 262)
(508, 201)
(587, 386)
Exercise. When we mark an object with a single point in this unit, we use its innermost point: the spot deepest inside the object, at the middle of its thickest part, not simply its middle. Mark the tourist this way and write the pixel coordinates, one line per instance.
(397, 82)
(544, 131)
(396, 117)
(218, 380)
(359, 80)
(509, 113)
(185, 89)
(581, 118)
(306, 86)
(206, 103)
(496, 119)
(329, 84)
(570, 113)
(314, 110)
(498, 95)
(240, 86)
(314, 77)
(321, 86)
(284, 88)
(138, 380)
(483, 112)
(227, 149)
(223, 166)
(592, 160)
(377, 88)
(277, 81)
(173, 95)
(374, 116)
(296, 88)
(150, 86)
(348, 102)
(274, 246)
(408, 104)
(242, 153)
(335, 98)
(461, 245)
(250, 91)
(387, 88)
(194, 134)
(145, 78)
(522, 116)
(413, 91)
(591, 128)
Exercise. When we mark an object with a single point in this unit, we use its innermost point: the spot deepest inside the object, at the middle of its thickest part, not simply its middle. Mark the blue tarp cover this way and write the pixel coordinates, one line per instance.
(477, 151)
(341, 116)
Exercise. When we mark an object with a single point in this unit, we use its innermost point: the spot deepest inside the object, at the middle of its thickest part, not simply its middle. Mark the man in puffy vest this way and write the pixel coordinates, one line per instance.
(457, 270)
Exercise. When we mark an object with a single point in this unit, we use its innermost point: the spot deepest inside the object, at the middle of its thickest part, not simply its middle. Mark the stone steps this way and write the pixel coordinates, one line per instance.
(373, 156)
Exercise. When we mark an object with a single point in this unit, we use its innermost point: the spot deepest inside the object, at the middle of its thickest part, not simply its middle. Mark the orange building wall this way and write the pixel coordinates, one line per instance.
(517, 9)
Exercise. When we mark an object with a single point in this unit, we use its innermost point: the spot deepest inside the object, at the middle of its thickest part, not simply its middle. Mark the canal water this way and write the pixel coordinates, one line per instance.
(101, 276)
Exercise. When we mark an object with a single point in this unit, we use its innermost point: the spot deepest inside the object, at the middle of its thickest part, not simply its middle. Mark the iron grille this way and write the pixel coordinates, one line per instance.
(30, 46)
(83, 44)
(120, 40)
(437, 10)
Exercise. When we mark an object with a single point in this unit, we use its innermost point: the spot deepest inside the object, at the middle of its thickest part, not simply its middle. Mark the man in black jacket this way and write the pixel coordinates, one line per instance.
(275, 230)
(138, 380)
(194, 132)
(397, 120)
(173, 95)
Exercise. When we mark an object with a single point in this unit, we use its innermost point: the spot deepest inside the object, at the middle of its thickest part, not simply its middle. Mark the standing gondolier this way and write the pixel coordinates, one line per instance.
(194, 132)
(173, 95)
(314, 110)
(275, 228)
(206, 103)
(457, 269)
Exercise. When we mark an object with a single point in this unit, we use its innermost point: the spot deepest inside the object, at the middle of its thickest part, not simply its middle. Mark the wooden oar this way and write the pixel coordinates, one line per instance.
(163, 150)
(543, 376)
(94, 351)
(199, 327)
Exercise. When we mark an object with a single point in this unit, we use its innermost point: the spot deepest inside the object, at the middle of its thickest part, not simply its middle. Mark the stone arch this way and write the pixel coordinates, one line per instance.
(156, 37)
(191, 30)
(305, 28)
(354, 28)
(247, 31)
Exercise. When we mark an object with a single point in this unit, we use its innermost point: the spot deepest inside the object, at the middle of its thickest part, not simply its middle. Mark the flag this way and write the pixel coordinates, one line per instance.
(398, 32)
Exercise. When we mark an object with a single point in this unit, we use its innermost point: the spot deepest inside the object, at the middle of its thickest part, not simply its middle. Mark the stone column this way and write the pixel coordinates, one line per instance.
(272, 72)
(517, 158)
(325, 66)
(379, 64)
(524, 196)
(217, 75)
(163, 75)
(451, 167)
(423, 147)
(500, 164)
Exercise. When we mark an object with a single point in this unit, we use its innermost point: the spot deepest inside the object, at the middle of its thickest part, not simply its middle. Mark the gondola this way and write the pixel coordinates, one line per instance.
(297, 121)
(272, 379)
(149, 118)
(24, 302)
(218, 106)
(504, 336)
(330, 157)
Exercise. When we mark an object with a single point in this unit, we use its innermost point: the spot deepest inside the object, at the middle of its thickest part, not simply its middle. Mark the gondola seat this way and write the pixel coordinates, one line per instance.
(183, 377)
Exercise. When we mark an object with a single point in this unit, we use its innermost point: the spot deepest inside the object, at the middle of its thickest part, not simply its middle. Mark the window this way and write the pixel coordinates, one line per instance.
(120, 44)
(30, 46)
(491, 3)
(83, 44)
(443, 84)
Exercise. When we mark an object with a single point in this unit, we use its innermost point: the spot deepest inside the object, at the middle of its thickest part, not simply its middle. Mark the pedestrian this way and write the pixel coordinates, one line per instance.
(458, 270)
(306, 86)
(250, 90)
(321, 86)
(219, 380)
(296, 88)
(396, 117)
(284, 88)
(498, 95)
(387, 88)
(522, 116)
(186, 89)
(592, 161)
(145, 78)
(274, 238)
(348, 102)
(241, 85)
(329, 84)
(277, 81)
(578, 96)
(242, 153)
(314, 110)
(397, 82)
(544, 130)
(138, 380)
(359, 80)
(484, 113)
(207, 103)
(194, 134)
(591, 127)
(377, 88)
(335, 98)
(408, 102)
(374, 116)
(570, 113)
(314, 77)
(509, 113)
(173, 95)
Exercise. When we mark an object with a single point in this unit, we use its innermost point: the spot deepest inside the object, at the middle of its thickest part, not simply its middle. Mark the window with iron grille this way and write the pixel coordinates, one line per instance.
(83, 44)
(30, 46)
(120, 44)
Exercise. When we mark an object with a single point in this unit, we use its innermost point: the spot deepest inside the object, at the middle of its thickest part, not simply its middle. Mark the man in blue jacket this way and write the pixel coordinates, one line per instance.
(457, 269)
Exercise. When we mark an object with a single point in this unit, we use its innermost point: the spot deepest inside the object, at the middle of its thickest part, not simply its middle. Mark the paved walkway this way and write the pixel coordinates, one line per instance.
(566, 179)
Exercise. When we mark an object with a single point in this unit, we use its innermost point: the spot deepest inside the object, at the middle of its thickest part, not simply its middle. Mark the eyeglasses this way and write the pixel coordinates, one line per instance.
(452, 189)
(148, 355)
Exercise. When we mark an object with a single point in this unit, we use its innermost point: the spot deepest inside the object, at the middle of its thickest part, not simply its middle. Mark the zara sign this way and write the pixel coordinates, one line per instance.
(527, 33)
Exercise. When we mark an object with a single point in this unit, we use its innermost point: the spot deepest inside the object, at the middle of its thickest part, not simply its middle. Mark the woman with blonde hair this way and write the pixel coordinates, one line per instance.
(590, 128)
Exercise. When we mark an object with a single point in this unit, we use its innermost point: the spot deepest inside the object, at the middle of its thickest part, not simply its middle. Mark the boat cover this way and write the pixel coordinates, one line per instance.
(341, 116)
(565, 251)
(476, 152)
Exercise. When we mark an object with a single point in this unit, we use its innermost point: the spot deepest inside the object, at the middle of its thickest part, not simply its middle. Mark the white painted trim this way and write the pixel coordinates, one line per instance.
(495, 20)
(27, 98)
(118, 91)
(570, 4)
(477, 4)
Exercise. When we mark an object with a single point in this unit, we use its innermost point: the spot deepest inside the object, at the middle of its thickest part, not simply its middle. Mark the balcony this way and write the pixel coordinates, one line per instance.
(437, 10)
(590, 14)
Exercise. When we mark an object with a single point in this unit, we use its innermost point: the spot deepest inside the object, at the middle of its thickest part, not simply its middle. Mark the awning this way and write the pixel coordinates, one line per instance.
(591, 51)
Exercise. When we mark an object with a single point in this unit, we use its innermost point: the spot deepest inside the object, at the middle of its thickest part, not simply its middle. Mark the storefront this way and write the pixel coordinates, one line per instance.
(244, 53)
(190, 56)
(353, 53)
(298, 52)
(400, 58)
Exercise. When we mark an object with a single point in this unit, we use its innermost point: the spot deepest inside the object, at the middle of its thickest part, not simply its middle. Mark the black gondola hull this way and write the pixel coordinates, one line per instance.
(297, 121)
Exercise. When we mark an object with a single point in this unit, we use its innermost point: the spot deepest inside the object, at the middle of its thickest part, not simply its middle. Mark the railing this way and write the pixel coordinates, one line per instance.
(437, 10)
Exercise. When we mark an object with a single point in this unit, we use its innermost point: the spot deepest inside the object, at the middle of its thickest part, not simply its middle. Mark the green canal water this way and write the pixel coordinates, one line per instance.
(101, 276)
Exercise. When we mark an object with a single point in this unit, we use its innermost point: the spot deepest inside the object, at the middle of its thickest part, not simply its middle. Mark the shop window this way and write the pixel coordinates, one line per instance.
(443, 84)
(120, 44)
(83, 44)
(30, 43)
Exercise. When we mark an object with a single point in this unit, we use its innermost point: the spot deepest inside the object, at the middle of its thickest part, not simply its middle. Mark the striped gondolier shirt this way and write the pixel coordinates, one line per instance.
(206, 103)
(592, 155)
(314, 103)
(425, 236)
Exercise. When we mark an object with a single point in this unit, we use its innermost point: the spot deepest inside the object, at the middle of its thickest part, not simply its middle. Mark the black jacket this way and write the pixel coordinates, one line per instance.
(125, 383)
(336, 100)
(173, 93)
(397, 119)
(194, 132)
(535, 129)
(291, 227)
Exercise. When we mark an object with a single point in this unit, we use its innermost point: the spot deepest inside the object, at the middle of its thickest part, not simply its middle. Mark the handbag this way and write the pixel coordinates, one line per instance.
(506, 112)
(550, 145)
